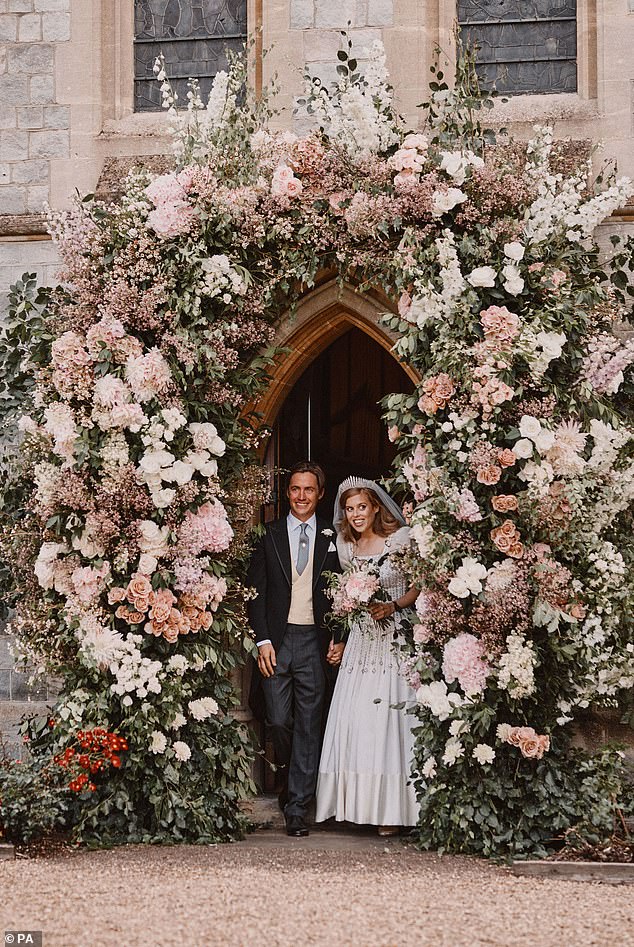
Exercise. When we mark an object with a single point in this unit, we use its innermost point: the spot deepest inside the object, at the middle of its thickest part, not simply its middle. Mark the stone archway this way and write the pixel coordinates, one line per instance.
(322, 315)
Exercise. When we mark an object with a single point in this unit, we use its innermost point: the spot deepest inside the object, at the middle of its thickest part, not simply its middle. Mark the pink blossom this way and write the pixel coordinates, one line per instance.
(500, 326)
(284, 183)
(463, 660)
(171, 220)
(404, 305)
(422, 634)
(207, 529)
(467, 510)
(69, 349)
(148, 375)
(89, 581)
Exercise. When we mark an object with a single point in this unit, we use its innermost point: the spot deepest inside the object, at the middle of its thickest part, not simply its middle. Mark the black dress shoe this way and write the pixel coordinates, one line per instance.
(296, 826)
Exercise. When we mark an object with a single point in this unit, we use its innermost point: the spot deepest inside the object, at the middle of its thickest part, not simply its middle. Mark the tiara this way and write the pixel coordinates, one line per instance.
(355, 482)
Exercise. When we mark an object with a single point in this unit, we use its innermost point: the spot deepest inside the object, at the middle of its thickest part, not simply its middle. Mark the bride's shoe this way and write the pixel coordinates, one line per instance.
(386, 830)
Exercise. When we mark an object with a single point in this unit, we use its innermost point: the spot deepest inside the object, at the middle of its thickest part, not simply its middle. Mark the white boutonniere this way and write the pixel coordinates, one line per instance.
(326, 532)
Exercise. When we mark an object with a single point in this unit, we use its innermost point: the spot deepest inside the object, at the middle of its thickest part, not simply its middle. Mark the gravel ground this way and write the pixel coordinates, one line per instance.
(263, 894)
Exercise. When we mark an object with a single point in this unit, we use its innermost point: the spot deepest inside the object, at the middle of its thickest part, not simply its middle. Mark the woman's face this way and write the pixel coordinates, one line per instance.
(360, 512)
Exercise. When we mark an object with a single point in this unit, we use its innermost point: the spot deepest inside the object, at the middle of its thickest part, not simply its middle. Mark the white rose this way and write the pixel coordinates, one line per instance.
(482, 276)
(453, 163)
(217, 446)
(514, 251)
(429, 768)
(153, 537)
(551, 343)
(179, 473)
(513, 282)
(147, 563)
(544, 441)
(163, 498)
(459, 587)
(529, 426)
(443, 201)
(153, 460)
(523, 448)
(453, 751)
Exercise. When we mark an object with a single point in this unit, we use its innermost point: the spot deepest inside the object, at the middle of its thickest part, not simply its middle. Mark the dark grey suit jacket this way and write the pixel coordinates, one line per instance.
(270, 574)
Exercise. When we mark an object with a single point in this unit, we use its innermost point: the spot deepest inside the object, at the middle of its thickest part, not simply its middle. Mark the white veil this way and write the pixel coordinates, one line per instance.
(361, 483)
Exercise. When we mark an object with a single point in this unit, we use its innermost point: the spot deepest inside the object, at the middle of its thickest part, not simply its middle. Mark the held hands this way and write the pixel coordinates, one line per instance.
(335, 653)
(267, 662)
(382, 610)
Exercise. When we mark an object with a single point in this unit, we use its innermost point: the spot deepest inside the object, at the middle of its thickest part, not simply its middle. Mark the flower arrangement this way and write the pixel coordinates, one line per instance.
(353, 590)
(126, 528)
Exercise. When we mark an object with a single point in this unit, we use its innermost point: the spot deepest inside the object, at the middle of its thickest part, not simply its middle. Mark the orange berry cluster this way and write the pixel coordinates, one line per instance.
(93, 751)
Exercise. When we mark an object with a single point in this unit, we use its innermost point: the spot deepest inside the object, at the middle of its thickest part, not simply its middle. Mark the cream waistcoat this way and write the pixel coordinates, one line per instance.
(301, 610)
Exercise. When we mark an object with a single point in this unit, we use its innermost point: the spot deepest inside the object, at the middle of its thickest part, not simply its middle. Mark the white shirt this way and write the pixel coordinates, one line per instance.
(293, 526)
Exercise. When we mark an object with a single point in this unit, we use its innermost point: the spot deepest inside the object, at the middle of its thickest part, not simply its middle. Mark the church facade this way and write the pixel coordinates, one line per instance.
(80, 106)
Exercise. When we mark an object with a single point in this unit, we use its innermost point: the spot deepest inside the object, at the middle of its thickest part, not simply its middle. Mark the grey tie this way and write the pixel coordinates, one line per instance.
(302, 552)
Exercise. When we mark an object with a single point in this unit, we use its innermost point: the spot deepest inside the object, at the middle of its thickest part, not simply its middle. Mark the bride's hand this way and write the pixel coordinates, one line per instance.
(335, 653)
(382, 610)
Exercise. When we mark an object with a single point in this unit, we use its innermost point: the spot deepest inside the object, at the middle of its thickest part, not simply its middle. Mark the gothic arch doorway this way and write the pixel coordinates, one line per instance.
(323, 403)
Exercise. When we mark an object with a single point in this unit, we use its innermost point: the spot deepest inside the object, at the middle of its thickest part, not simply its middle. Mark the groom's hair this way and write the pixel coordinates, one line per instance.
(307, 466)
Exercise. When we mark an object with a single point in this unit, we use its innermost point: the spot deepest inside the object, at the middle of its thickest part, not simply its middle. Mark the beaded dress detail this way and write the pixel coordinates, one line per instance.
(368, 747)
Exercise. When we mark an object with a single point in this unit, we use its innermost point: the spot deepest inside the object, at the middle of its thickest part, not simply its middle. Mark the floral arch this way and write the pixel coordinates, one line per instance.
(127, 518)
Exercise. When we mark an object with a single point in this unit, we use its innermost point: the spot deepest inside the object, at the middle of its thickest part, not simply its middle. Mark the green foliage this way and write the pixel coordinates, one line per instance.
(33, 799)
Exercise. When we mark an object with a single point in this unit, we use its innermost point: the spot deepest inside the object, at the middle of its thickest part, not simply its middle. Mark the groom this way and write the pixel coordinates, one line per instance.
(294, 646)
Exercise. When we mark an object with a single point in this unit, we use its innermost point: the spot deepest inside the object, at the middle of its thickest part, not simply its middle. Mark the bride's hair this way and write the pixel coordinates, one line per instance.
(384, 522)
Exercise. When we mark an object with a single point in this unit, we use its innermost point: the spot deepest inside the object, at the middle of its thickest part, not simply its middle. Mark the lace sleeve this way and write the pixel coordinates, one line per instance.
(343, 551)
(399, 540)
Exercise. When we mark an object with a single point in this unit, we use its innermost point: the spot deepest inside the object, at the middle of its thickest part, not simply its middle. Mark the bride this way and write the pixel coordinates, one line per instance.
(368, 745)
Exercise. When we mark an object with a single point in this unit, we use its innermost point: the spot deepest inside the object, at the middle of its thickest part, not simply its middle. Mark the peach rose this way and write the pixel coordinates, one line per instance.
(505, 503)
(116, 594)
(127, 614)
(578, 611)
(531, 749)
(170, 634)
(427, 404)
(437, 392)
(506, 457)
(154, 628)
(506, 537)
(138, 592)
(489, 476)
(519, 734)
(160, 605)
(516, 551)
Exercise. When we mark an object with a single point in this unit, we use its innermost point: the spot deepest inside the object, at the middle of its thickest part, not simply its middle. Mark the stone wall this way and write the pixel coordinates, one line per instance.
(34, 127)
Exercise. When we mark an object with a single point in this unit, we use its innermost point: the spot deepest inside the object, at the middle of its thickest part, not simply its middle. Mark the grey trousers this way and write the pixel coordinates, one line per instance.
(294, 699)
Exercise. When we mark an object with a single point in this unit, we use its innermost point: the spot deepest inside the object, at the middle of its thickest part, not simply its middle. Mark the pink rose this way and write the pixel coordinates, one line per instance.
(489, 475)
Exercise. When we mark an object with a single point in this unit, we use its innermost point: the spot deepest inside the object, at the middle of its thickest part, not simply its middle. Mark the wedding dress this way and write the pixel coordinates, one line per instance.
(364, 772)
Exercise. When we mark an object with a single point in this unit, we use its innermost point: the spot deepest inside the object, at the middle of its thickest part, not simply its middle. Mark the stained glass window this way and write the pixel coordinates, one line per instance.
(522, 45)
(193, 35)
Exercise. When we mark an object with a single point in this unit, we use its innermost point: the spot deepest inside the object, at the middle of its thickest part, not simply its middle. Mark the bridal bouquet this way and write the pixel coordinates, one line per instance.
(353, 590)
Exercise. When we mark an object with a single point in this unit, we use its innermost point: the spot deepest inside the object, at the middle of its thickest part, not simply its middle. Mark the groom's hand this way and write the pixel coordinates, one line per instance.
(267, 662)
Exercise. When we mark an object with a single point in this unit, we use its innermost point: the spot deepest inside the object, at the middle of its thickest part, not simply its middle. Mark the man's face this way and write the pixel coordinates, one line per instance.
(303, 495)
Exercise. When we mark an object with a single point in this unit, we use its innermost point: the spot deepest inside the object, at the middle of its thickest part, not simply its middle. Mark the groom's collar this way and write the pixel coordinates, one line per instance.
(294, 523)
